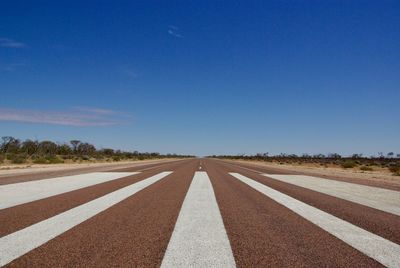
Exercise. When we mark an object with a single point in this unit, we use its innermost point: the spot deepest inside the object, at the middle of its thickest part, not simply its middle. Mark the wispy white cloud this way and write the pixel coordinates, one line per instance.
(12, 66)
(173, 27)
(128, 71)
(131, 73)
(78, 116)
(174, 31)
(95, 110)
(7, 42)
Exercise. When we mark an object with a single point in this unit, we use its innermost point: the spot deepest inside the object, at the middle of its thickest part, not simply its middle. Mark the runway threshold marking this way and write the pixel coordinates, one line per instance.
(378, 198)
(374, 246)
(24, 192)
(199, 238)
(239, 166)
(18, 243)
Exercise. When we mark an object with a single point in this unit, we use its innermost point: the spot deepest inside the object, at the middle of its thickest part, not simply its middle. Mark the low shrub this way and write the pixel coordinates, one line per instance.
(40, 160)
(116, 158)
(85, 157)
(395, 169)
(2, 159)
(55, 160)
(10, 156)
(99, 157)
(348, 164)
(365, 168)
(19, 159)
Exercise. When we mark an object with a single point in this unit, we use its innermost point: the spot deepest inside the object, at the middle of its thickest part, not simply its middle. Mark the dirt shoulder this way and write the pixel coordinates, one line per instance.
(381, 176)
(6, 170)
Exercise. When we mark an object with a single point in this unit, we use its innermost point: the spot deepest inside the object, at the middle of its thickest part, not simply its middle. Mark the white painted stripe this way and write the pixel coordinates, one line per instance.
(24, 192)
(19, 243)
(237, 165)
(378, 198)
(374, 246)
(199, 238)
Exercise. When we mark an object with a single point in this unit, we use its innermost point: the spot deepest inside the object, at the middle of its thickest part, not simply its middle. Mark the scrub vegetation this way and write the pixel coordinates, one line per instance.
(389, 161)
(15, 151)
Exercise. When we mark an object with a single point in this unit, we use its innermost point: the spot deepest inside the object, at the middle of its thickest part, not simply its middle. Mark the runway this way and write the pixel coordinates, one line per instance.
(195, 213)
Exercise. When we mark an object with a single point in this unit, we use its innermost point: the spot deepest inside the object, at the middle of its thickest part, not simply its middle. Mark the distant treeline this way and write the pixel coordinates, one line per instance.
(389, 160)
(15, 151)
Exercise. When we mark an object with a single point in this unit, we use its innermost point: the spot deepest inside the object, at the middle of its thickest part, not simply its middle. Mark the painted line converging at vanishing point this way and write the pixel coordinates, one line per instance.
(199, 238)
(17, 244)
(378, 198)
(24, 192)
(374, 246)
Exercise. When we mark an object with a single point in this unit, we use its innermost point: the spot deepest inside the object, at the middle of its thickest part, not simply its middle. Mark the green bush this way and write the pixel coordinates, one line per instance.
(116, 158)
(99, 157)
(48, 159)
(395, 169)
(55, 160)
(365, 168)
(85, 157)
(19, 159)
(2, 158)
(10, 156)
(40, 160)
(348, 164)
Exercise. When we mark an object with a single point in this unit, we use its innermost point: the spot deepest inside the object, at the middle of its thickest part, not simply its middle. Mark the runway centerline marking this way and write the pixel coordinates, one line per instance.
(378, 198)
(19, 243)
(374, 246)
(24, 192)
(199, 238)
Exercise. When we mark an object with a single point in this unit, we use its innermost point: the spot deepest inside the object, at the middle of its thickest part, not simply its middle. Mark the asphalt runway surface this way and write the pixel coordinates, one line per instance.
(196, 213)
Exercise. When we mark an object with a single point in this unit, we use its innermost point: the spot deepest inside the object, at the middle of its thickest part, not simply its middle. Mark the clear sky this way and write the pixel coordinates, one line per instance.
(203, 77)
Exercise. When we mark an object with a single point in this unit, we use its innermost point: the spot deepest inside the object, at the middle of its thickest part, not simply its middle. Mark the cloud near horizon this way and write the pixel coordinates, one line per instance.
(78, 117)
(174, 31)
(12, 67)
(7, 42)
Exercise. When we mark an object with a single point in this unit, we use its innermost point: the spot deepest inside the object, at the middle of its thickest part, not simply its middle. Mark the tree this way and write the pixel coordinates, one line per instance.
(86, 149)
(10, 144)
(75, 144)
(47, 148)
(390, 155)
(335, 156)
(29, 147)
(64, 149)
(107, 152)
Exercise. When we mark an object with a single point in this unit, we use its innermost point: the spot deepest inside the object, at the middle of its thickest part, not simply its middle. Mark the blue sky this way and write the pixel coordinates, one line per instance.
(203, 77)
